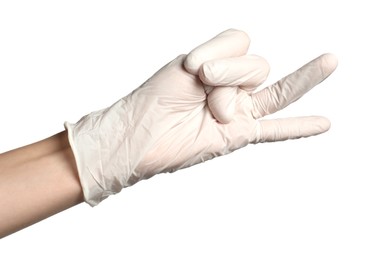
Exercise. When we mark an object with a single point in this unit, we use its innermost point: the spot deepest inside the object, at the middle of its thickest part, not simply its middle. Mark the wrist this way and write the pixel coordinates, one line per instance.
(38, 180)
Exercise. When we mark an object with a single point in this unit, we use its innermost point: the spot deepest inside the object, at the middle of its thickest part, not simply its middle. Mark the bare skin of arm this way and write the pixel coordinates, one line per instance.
(37, 181)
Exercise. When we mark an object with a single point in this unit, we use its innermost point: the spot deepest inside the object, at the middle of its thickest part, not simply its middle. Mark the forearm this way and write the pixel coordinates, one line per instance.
(37, 181)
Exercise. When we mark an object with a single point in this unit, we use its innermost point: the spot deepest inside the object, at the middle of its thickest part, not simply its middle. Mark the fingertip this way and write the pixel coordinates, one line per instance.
(212, 72)
(315, 125)
(230, 43)
(323, 123)
(238, 34)
(192, 63)
(264, 68)
(224, 117)
(329, 63)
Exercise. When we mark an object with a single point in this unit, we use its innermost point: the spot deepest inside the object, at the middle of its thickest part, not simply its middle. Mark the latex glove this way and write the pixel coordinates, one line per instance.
(168, 123)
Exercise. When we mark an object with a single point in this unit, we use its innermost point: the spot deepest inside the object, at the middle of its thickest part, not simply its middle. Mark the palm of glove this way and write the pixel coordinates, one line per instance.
(184, 131)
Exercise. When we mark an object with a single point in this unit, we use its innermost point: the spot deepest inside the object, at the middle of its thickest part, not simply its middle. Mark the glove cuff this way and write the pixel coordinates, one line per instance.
(86, 153)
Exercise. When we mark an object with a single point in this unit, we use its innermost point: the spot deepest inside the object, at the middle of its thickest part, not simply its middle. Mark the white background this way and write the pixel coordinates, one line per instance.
(305, 199)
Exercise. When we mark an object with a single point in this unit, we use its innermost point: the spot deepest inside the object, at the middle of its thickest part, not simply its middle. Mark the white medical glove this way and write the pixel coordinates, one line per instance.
(195, 108)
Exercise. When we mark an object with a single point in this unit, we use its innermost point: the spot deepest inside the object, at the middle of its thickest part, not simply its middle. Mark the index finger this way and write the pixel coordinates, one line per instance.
(230, 43)
(293, 86)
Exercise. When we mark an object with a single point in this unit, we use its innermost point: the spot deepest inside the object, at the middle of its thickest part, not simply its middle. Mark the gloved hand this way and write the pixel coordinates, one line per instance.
(197, 107)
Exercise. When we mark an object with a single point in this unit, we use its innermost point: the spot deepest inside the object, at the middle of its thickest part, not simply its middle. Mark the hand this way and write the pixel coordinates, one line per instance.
(195, 108)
